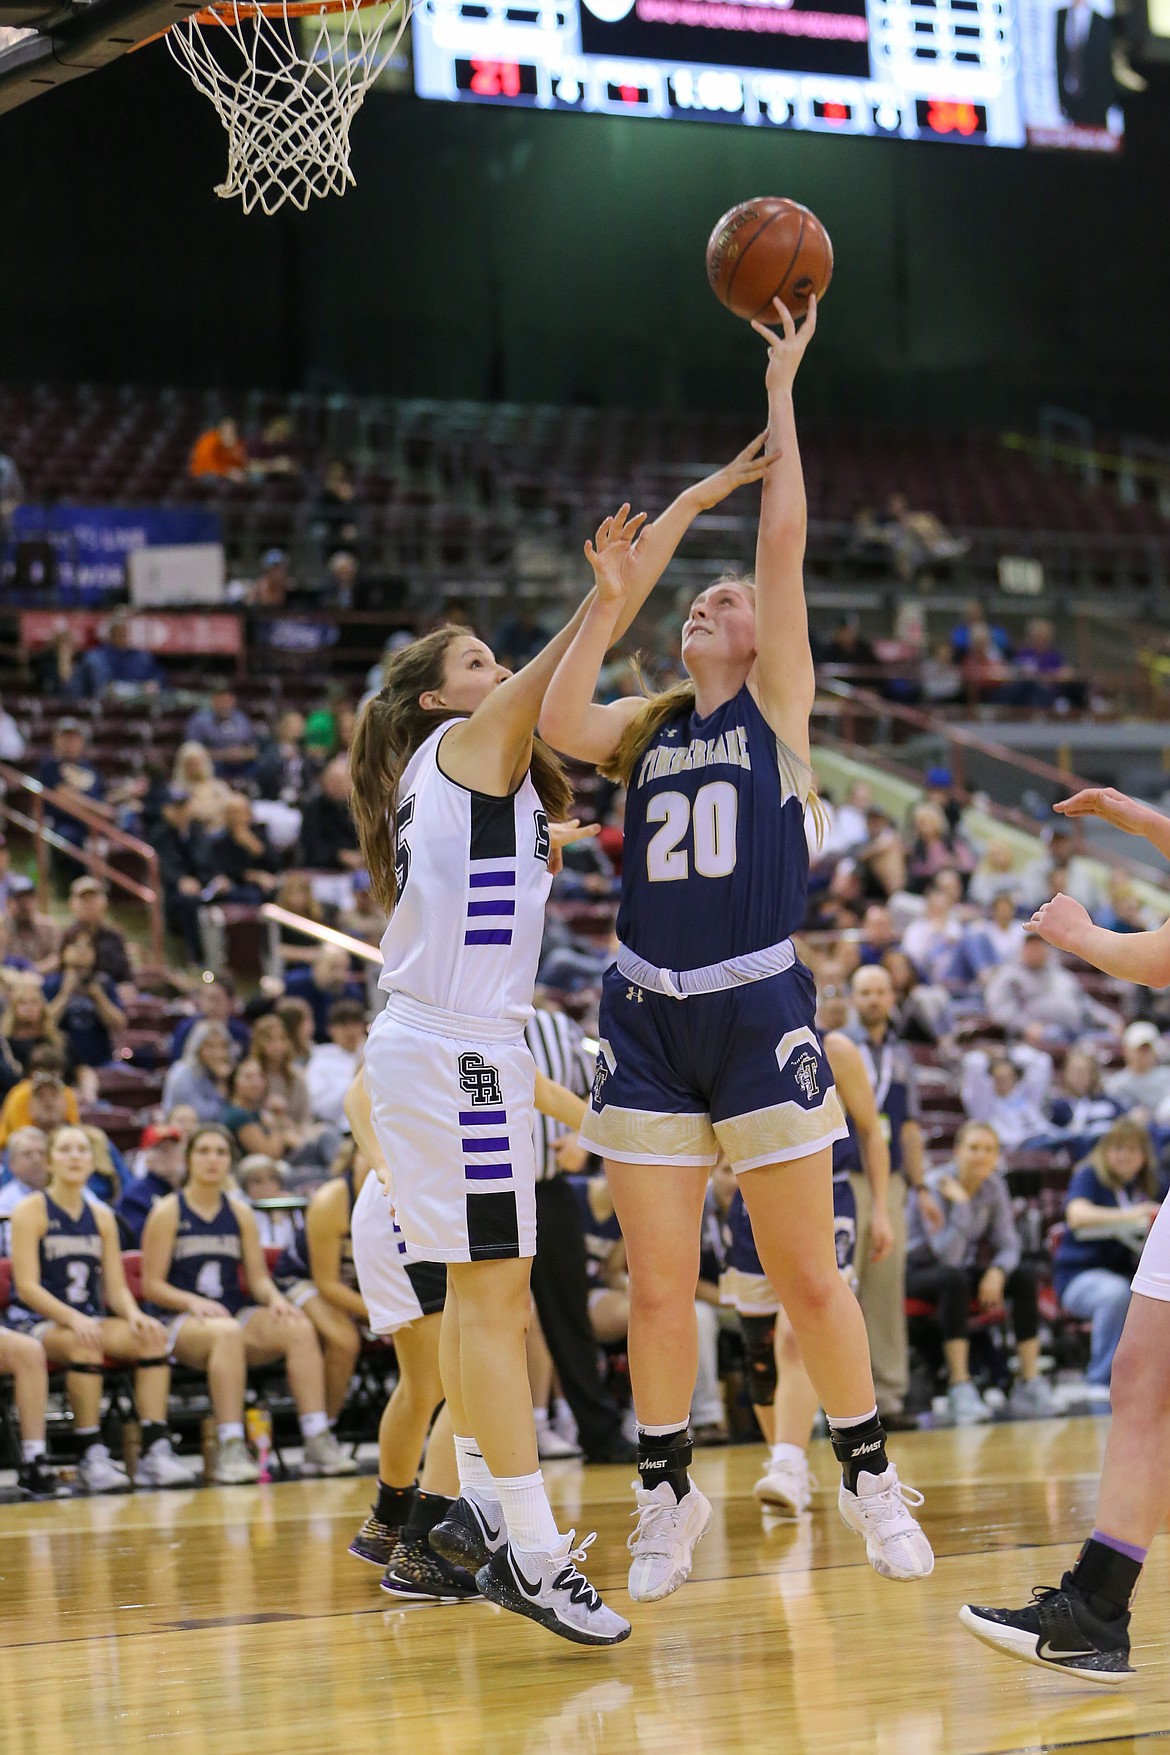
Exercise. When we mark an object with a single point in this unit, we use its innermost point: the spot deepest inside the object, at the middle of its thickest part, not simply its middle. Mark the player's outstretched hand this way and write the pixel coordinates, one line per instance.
(746, 466)
(1061, 922)
(785, 351)
(561, 834)
(610, 554)
(1108, 804)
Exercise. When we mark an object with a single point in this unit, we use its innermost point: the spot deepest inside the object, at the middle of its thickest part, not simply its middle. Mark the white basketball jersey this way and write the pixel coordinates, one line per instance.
(473, 880)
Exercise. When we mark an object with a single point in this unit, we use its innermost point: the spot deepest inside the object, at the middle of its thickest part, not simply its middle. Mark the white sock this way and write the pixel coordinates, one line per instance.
(843, 1425)
(229, 1430)
(787, 1453)
(540, 1415)
(475, 1478)
(32, 1448)
(312, 1425)
(527, 1512)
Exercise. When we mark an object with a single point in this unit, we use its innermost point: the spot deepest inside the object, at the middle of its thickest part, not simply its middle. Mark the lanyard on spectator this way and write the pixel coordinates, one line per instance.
(881, 1072)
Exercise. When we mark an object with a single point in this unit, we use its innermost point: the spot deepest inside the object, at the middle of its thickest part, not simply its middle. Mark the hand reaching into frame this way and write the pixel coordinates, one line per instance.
(561, 834)
(785, 351)
(609, 553)
(1110, 805)
(746, 466)
(1061, 923)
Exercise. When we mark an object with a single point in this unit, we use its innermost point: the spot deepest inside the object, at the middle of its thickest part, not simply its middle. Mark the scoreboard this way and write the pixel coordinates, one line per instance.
(992, 72)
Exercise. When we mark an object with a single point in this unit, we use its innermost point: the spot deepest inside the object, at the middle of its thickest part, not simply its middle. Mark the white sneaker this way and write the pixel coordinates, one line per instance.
(563, 1421)
(895, 1545)
(1032, 1400)
(547, 1587)
(235, 1466)
(160, 1467)
(966, 1406)
(664, 1538)
(785, 1487)
(551, 1446)
(324, 1456)
(97, 1472)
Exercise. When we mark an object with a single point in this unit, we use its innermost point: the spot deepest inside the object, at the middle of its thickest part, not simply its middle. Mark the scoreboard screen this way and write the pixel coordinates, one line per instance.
(973, 72)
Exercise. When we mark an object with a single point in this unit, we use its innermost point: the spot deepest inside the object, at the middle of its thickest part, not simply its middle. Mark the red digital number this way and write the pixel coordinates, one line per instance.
(835, 112)
(951, 118)
(495, 78)
(630, 94)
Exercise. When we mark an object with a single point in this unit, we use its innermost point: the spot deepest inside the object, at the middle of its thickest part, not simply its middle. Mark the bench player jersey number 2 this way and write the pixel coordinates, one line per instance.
(473, 880)
(716, 862)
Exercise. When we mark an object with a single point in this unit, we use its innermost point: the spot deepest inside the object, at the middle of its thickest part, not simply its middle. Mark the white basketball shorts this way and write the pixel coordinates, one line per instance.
(454, 1113)
(1152, 1279)
(395, 1290)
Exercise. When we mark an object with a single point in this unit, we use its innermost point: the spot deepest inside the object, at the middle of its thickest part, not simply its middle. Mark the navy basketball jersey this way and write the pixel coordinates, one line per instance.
(71, 1260)
(715, 862)
(846, 1153)
(208, 1254)
(294, 1261)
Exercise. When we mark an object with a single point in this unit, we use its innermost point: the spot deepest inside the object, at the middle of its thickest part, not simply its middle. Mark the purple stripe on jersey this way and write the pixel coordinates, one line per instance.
(482, 1117)
(498, 1143)
(504, 905)
(491, 880)
(488, 1172)
(488, 936)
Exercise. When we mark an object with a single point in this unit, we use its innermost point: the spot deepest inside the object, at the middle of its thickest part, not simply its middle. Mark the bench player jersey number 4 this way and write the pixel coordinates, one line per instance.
(473, 880)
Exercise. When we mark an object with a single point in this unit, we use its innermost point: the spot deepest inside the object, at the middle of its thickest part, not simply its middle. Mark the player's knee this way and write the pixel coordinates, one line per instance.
(79, 1352)
(759, 1339)
(1138, 1384)
(663, 1293)
(345, 1341)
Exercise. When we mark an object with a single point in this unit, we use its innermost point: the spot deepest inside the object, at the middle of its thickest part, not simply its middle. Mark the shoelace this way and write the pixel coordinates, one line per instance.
(892, 1506)
(568, 1578)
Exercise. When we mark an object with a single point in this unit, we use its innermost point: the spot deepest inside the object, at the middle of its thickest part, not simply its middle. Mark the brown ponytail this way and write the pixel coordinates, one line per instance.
(390, 728)
(644, 726)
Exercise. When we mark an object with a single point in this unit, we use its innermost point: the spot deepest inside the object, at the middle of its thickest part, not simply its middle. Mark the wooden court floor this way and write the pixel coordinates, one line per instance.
(234, 1623)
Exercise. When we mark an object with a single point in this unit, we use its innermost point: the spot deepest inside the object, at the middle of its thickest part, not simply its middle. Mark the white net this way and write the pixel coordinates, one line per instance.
(287, 84)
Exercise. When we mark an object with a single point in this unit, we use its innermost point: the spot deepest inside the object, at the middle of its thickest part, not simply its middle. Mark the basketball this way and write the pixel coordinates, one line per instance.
(766, 249)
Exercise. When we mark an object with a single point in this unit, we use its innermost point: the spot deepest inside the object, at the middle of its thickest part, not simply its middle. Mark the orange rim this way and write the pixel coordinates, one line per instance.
(230, 11)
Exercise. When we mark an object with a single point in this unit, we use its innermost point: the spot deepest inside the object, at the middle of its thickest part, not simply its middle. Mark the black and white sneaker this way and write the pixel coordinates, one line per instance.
(416, 1572)
(38, 1481)
(375, 1541)
(547, 1587)
(1057, 1630)
(468, 1536)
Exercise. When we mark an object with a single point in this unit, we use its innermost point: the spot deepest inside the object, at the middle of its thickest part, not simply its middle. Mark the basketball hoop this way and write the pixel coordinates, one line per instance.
(286, 78)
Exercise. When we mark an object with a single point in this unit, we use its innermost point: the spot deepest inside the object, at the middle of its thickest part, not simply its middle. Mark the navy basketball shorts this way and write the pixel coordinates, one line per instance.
(741, 1070)
(454, 1117)
(744, 1283)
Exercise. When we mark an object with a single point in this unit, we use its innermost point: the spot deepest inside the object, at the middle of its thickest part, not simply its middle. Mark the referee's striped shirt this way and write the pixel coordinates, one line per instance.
(557, 1047)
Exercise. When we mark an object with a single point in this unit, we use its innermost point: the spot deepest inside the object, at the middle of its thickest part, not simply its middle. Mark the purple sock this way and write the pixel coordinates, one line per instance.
(1137, 1555)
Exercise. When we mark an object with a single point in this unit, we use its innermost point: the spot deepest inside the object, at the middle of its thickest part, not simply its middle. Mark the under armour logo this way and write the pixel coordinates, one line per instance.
(671, 731)
(634, 993)
(480, 1081)
(807, 1075)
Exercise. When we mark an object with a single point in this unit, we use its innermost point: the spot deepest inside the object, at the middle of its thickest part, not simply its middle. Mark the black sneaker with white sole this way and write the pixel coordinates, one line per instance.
(1057, 1630)
(547, 1587)
(468, 1536)
(37, 1480)
(416, 1572)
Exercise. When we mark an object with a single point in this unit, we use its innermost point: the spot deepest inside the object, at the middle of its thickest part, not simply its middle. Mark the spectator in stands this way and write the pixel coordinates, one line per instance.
(519, 637)
(1123, 909)
(986, 943)
(363, 918)
(88, 1265)
(1080, 1107)
(940, 681)
(226, 732)
(111, 1173)
(262, 1178)
(1143, 1084)
(55, 667)
(987, 674)
(1118, 1187)
(1009, 1092)
(930, 940)
(994, 874)
(328, 837)
(272, 1049)
(340, 584)
(1039, 658)
(12, 743)
(26, 1023)
(878, 934)
(69, 771)
(83, 1004)
(943, 1268)
(280, 767)
(273, 582)
(275, 451)
(1060, 869)
(41, 1100)
(881, 858)
(184, 861)
(296, 894)
(215, 995)
(89, 904)
(333, 1065)
(941, 792)
(1036, 996)
(242, 860)
(272, 1327)
(847, 647)
(26, 1164)
(255, 1122)
(194, 773)
(201, 1077)
(922, 1010)
(118, 669)
(973, 622)
(297, 1016)
(163, 1169)
(219, 453)
(335, 509)
(322, 984)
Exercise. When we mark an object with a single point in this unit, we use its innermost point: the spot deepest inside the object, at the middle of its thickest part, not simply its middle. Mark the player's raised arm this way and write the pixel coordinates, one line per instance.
(785, 680)
(1122, 812)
